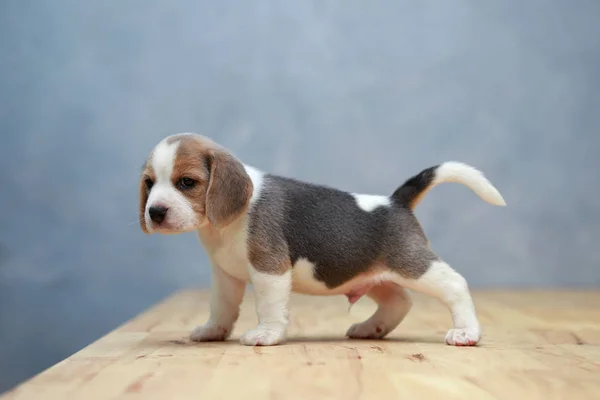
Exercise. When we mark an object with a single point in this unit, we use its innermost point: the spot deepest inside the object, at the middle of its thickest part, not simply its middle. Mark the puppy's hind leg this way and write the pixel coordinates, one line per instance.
(393, 303)
(449, 287)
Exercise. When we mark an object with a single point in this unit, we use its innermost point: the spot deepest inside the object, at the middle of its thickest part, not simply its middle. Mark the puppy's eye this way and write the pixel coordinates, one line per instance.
(148, 182)
(186, 183)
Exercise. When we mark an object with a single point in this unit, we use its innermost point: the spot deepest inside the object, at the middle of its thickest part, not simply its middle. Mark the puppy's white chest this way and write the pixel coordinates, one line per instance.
(229, 252)
(234, 262)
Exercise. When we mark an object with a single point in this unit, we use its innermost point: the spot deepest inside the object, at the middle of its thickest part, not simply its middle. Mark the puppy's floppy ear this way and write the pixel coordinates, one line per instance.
(229, 188)
(143, 198)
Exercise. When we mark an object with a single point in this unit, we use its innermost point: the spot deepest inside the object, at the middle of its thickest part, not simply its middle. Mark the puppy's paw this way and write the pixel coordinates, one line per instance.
(367, 330)
(463, 337)
(262, 336)
(210, 333)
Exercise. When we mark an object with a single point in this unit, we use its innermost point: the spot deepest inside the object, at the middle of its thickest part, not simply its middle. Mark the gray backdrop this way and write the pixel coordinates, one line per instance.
(355, 94)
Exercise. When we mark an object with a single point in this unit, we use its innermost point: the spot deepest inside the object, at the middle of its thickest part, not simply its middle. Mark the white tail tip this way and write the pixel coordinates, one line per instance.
(471, 177)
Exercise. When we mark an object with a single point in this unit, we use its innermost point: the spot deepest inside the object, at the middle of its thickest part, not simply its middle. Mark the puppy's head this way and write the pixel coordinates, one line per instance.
(189, 181)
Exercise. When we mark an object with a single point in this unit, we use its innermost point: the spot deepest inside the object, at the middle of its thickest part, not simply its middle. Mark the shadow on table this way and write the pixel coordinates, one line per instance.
(338, 340)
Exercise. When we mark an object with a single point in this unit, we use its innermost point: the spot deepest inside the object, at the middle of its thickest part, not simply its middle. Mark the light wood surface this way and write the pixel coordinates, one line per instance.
(536, 345)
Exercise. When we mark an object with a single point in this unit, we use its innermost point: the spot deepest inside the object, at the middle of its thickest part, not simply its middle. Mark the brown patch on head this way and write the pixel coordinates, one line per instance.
(144, 191)
(222, 188)
(191, 163)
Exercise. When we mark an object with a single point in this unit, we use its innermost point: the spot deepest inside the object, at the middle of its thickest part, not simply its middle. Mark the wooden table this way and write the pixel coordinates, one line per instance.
(536, 345)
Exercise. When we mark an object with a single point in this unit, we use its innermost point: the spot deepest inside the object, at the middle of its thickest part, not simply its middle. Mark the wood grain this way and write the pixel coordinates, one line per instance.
(536, 345)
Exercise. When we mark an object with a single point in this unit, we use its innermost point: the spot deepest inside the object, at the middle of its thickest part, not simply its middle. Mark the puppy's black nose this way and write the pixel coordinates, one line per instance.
(157, 213)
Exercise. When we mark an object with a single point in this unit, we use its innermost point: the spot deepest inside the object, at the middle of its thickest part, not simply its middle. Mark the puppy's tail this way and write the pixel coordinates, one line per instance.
(413, 190)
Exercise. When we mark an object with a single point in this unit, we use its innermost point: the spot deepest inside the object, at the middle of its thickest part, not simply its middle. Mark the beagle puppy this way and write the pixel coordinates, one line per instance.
(283, 235)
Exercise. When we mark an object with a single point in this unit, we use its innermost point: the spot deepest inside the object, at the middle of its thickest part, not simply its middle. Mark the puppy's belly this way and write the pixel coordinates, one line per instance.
(303, 278)
(304, 281)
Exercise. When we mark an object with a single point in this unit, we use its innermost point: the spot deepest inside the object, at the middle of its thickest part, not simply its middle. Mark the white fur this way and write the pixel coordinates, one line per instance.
(257, 178)
(163, 160)
(474, 179)
(369, 202)
(272, 293)
(181, 216)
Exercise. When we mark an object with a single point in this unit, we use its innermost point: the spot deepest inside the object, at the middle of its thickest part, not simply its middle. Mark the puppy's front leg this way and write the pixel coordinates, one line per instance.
(226, 296)
(272, 293)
